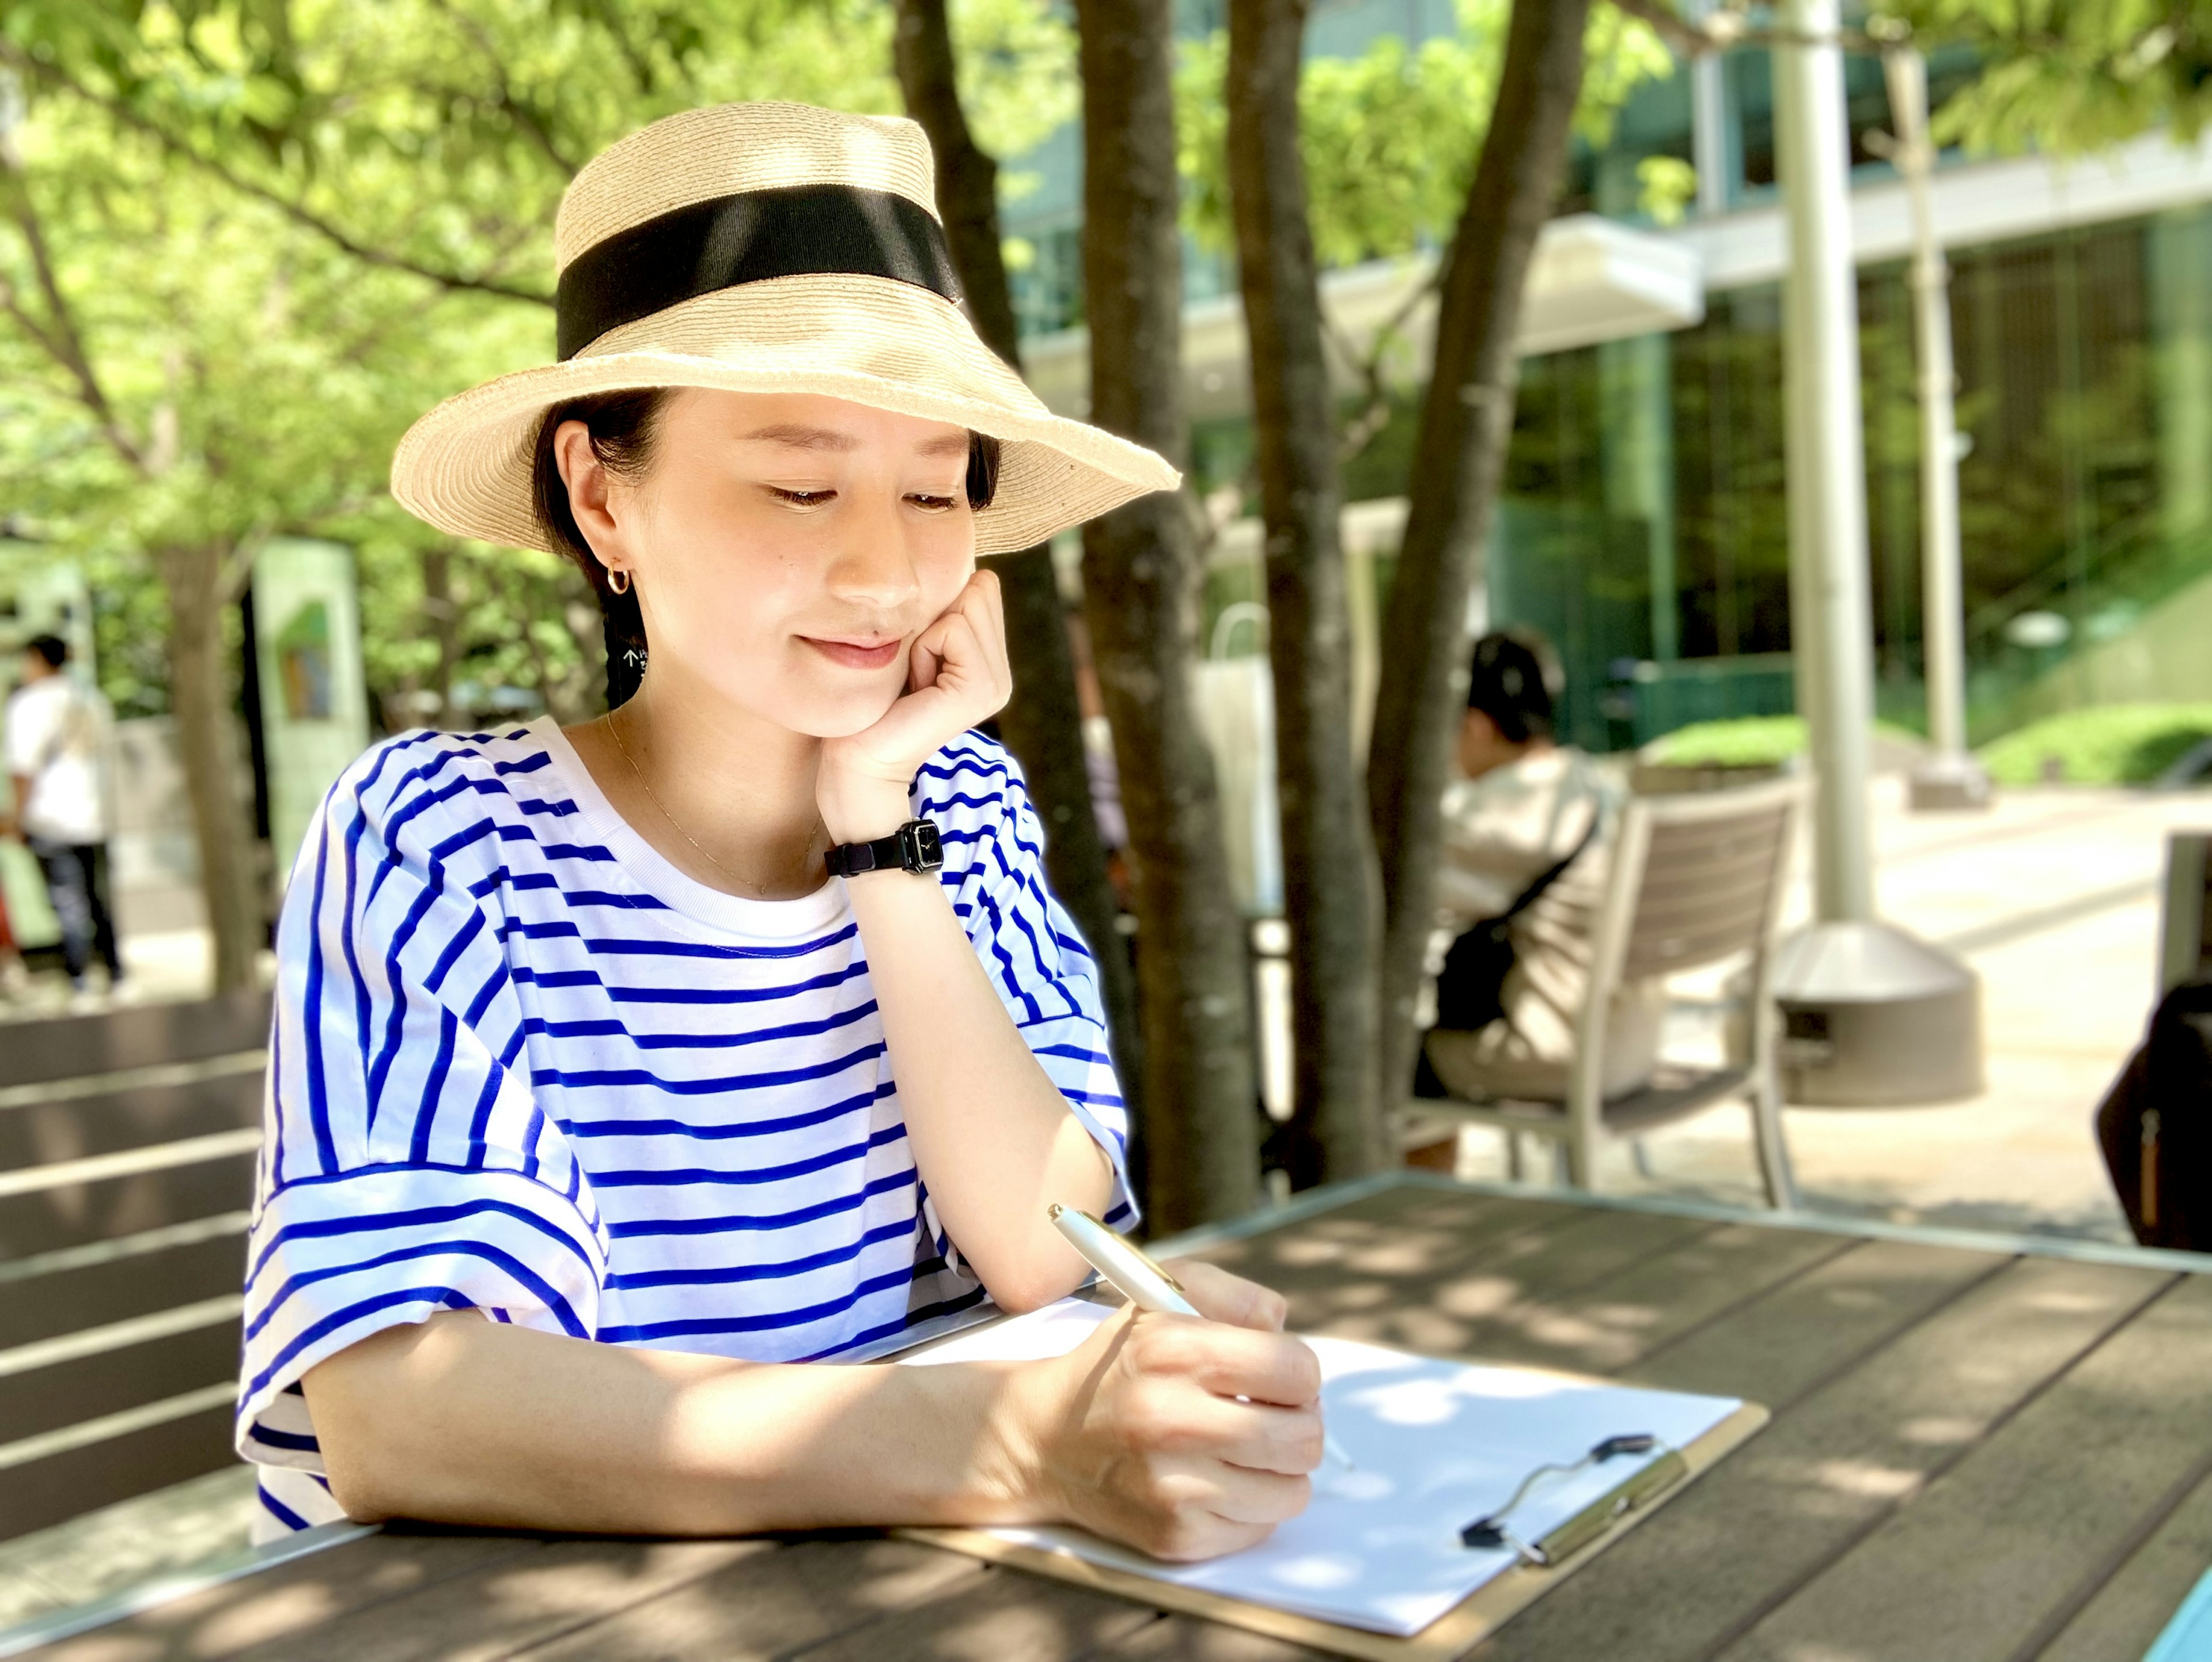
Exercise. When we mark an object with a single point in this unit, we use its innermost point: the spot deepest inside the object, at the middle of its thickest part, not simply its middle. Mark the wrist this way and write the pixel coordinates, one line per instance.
(860, 809)
(989, 1471)
(1014, 1473)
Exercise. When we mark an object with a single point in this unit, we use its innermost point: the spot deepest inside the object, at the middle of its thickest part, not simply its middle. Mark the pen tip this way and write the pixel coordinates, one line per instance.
(1052, 1211)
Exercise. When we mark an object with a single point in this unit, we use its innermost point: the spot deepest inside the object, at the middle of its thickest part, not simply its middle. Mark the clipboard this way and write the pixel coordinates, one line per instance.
(1485, 1610)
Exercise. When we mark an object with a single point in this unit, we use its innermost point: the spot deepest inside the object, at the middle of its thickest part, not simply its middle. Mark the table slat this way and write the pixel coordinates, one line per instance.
(1187, 1639)
(1463, 1307)
(504, 1608)
(1615, 1321)
(1803, 1492)
(2021, 1527)
(1369, 1245)
(1796, 1336)
(2132, 1609)
(773, 1604)
(287, 1603)
(1010, 1617)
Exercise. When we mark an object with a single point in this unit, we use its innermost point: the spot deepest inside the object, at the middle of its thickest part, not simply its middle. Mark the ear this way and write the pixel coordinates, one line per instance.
(589, 485)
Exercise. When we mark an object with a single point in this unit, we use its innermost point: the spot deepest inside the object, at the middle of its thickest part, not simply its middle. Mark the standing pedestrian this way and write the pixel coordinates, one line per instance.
(56, 745)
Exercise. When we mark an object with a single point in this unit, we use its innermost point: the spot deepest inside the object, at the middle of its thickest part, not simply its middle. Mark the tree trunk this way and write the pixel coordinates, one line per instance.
(1331, 885)
(1141, 581)
(1043, 724)
(199, 695)
(1459, 457)
(445, 619)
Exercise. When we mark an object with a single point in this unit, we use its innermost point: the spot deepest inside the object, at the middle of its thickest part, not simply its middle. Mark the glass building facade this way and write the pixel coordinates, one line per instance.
(1644, 526)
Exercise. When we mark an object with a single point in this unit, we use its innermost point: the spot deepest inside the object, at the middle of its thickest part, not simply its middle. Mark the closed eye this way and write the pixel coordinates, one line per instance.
(931, 504)
(804, 498)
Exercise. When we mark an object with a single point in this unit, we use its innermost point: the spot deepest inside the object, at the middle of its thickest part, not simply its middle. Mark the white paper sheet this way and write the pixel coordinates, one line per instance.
(1434, 1446)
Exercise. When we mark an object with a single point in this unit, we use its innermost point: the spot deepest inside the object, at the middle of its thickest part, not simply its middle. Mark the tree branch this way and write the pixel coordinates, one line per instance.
(523, 115)
(298, 213)
(59, 337)
(1360, 431)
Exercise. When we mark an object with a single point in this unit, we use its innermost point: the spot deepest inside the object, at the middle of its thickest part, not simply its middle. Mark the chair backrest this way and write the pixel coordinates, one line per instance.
(1708, 870)
(127, 1144)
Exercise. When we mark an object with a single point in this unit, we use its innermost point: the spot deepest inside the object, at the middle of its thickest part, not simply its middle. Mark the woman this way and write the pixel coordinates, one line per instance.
(619, 1071)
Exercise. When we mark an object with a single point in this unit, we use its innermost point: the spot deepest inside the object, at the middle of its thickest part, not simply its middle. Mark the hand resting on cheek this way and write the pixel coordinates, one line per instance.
(956, 676)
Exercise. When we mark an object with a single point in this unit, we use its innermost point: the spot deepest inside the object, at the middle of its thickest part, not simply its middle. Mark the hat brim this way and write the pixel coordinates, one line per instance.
(466, 466)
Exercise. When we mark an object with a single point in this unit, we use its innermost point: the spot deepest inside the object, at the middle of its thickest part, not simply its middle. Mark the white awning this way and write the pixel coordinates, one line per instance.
(1592, 280)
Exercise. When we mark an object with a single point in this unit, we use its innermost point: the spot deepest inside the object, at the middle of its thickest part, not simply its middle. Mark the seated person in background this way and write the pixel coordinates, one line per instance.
(1525, 803)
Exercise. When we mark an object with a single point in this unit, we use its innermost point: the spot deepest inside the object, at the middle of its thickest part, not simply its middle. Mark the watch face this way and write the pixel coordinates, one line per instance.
(928, 853)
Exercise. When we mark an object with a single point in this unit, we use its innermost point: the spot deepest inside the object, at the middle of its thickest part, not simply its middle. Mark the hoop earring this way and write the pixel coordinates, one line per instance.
(618, 578)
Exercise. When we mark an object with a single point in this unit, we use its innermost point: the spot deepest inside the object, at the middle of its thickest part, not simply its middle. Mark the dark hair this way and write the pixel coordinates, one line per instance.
(623, 428)
(51, 648)
(1513, 680)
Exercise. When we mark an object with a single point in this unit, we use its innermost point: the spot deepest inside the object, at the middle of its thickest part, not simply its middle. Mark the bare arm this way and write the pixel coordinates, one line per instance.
(991, 1135)
(1139, 1434)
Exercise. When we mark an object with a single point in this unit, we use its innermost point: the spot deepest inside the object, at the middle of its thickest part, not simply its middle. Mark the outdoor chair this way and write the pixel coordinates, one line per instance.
(1697, 879)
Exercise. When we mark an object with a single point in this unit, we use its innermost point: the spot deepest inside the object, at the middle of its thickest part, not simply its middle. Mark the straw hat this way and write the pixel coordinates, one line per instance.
(765, 248)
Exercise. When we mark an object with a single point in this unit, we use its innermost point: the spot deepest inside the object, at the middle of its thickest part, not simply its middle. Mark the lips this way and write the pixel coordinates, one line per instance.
(857, 655)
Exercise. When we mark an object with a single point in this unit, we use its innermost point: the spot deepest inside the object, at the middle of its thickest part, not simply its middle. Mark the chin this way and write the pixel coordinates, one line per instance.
(839, 716)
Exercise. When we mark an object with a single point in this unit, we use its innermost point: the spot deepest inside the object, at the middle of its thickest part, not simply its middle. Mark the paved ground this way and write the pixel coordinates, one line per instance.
(2052, 896)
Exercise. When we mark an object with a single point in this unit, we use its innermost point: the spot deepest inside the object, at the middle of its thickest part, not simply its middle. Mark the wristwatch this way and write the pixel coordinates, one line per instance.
(914, 847)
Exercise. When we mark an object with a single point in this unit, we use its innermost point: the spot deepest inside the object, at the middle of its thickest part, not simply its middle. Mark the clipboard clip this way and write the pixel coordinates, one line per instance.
(1557, 1545)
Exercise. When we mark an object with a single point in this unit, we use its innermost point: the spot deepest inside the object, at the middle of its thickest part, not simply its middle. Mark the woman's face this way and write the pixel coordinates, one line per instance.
(786, 548)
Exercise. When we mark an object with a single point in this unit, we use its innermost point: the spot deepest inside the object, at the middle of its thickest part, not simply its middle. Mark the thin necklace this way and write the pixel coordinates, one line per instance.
(613, 727)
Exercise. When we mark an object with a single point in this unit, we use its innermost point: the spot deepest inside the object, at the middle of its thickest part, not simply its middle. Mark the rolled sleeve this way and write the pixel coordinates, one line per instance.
(407, 1168)
(333, 1261)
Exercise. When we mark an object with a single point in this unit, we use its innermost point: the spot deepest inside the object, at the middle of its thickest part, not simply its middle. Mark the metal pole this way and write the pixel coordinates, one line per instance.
(1711, 141)
(1830, 625)
(1951, 777)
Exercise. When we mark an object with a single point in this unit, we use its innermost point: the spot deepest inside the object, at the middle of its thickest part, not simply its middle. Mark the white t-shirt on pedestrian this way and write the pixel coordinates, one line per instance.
(57, 737)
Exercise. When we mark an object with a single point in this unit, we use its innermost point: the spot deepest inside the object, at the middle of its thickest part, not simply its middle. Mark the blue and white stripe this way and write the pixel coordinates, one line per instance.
(523, 1065)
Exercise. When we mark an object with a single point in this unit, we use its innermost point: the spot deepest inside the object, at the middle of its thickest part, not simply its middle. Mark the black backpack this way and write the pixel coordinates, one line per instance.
(2156, 1125)
(1471, 986)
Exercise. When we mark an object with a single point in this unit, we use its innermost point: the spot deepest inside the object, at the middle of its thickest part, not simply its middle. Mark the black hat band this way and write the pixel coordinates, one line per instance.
(795, 230)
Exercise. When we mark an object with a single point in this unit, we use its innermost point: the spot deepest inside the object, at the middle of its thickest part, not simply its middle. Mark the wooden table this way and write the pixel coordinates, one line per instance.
(1980, 1449)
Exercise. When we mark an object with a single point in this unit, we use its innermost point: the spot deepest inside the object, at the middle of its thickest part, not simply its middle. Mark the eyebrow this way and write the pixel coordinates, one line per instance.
(796, 435)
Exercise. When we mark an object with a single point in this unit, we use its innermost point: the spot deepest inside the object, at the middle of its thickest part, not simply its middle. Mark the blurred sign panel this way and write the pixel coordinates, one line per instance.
(314, 704)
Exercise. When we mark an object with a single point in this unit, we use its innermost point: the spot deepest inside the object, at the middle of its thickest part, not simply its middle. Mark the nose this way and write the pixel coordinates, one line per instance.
(872, 566)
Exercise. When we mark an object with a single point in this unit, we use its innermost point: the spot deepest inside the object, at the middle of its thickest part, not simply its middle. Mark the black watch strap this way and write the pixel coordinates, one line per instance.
(914, 847)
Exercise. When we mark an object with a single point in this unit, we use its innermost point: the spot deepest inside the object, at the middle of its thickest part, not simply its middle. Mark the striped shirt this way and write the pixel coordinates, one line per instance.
(522, 1065)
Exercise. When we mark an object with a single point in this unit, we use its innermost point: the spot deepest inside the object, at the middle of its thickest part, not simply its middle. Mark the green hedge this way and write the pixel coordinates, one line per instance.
(1747, 741)
(2110, 745)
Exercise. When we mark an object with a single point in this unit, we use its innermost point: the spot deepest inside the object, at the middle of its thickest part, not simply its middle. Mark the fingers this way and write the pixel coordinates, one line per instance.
(1260, 1497)
(1185, 1437)
(1175, 1417)
(1222, 1297)
(1229, 1361)
(984, 603)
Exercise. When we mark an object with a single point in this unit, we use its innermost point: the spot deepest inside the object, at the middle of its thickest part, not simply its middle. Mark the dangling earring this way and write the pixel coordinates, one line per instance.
(618, 578)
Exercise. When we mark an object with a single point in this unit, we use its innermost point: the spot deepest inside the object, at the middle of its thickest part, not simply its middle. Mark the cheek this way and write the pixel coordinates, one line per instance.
(944, 559)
